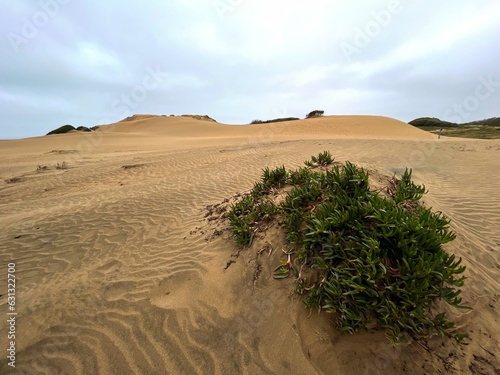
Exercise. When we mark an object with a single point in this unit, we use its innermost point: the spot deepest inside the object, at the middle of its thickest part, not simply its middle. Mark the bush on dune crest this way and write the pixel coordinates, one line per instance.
(62, 130)
(435, 122)
(315, 113)
(67, 128)
(274, 120)
(372, 256)
(432, 121)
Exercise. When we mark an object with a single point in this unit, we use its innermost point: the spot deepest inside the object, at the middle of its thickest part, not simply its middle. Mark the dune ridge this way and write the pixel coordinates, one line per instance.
(336, 126)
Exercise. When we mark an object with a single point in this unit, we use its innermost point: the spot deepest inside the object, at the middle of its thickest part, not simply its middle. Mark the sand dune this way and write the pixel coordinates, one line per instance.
(120, 272)
(334, 126)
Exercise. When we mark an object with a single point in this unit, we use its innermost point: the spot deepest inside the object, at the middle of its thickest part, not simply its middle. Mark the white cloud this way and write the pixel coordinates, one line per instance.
(93, 55)
(184, 80)
(314, 73)
(310, 74)
(205, 37)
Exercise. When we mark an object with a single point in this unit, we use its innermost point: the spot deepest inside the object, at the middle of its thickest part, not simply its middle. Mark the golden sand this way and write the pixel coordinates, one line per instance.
(119, 270)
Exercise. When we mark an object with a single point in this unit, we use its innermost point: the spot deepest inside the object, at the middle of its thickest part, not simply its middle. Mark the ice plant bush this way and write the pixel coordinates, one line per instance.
(374, 256)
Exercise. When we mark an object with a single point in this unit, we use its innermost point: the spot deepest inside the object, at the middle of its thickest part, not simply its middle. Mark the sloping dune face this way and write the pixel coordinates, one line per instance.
(332, 126)
(120, 270)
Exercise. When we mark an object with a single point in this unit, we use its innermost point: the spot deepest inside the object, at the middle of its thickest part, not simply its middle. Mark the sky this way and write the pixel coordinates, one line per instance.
(88, 63)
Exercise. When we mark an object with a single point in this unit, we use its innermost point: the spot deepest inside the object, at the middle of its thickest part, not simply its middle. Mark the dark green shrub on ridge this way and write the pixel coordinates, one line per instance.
(61, 130)
(283, 119)
(431, 121)
(315, 113)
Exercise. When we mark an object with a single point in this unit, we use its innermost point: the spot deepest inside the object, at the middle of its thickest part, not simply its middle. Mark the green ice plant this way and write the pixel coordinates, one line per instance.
(376, 257)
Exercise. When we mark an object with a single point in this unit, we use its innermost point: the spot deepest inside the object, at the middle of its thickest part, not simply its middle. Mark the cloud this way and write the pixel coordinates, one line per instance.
(92, 55)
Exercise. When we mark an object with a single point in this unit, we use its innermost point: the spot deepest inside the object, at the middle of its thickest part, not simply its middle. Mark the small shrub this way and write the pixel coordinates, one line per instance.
(323, 158)
(300, 176)
(376, 258)
(62, 165)
(260, 189)
(315, 113)
(283, 119)
(246, 216)
(61, 130)
(404, 189)
(274, 177)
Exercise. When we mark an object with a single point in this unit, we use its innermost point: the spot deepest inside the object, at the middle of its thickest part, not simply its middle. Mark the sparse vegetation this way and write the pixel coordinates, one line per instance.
(493, 121)
(365, 255)
(435, 122)
(274, 120)
(61, 130)
(41, 168)
(431, 121)
(67, 128)
(315, 113)
(482, 129)
(467, 131)
(62, 165)
(324, 158)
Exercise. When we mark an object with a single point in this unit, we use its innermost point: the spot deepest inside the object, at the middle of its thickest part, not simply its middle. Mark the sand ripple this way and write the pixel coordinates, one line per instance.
(117, 274)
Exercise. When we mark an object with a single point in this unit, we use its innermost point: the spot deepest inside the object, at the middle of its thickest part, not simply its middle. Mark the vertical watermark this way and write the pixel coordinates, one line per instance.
(67, 334)
(31, 26)
(11, 314)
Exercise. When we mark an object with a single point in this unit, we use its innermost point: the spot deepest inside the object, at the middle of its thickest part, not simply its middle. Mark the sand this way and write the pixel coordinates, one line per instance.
(120, 272)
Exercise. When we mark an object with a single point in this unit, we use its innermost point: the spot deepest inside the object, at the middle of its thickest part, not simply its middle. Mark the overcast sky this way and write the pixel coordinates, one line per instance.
(87, 62)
